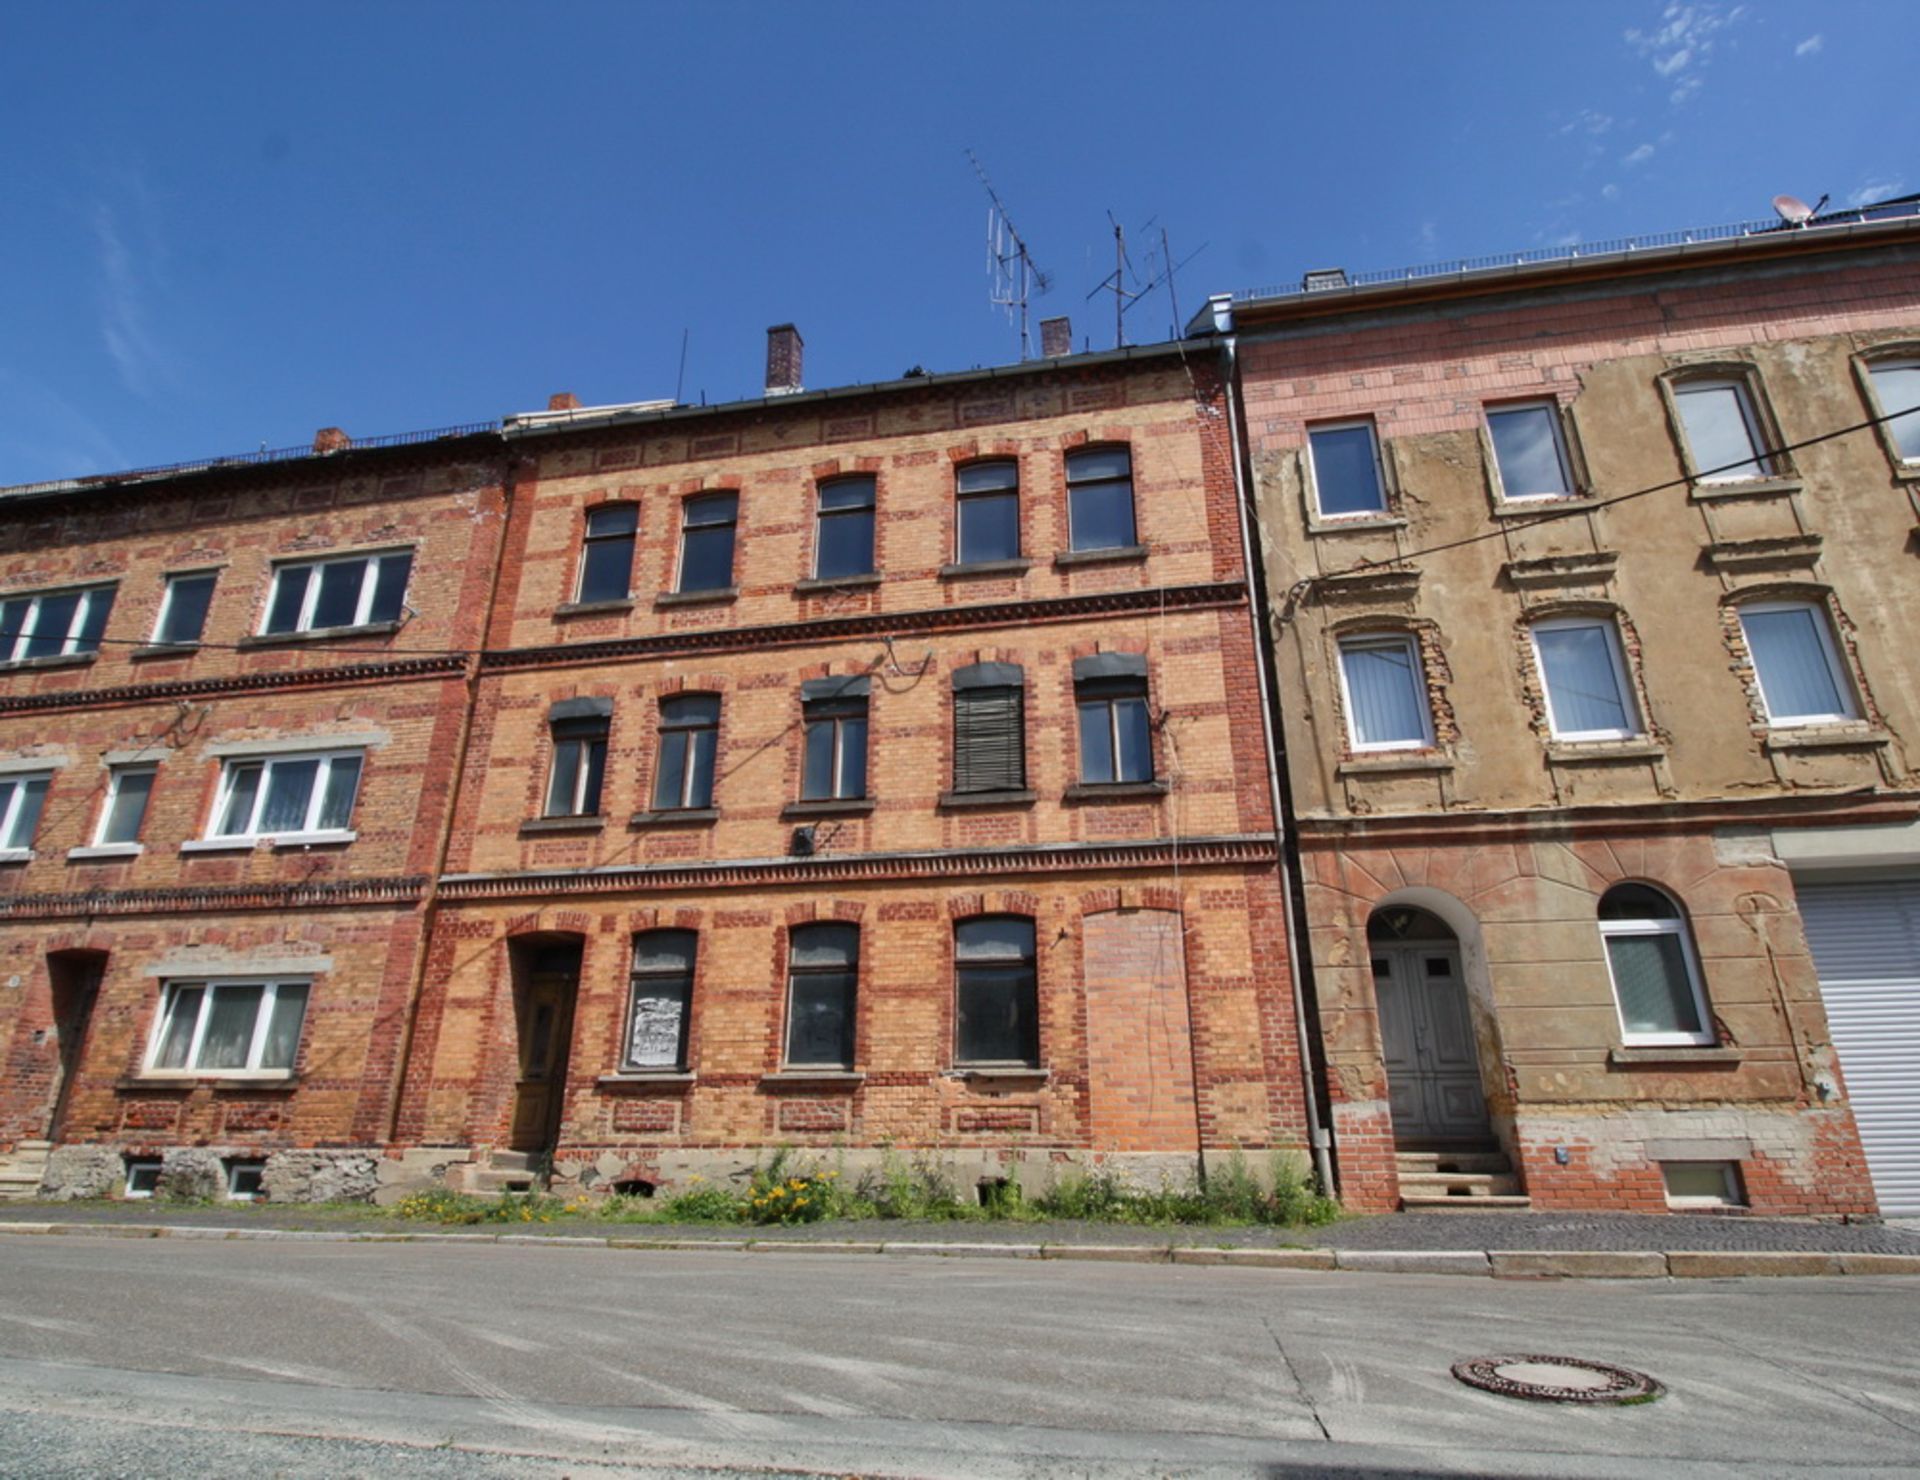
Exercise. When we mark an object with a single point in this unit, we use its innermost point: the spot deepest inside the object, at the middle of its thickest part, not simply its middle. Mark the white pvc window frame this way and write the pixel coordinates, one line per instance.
(310, 830)
(1678, 928)
(1623, 680)
(164, 618)
(270, 987)
(73, 640)
(1907, 422)
(1359, 423)
(1359, 642)
(17, 786)
(1761, 463)
(1829, 649)
(371, 560)
(1569, 487)
(116, 780)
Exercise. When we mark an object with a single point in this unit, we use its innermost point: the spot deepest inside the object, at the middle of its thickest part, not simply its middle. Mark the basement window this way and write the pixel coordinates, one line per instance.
(246, 1180)
(143, 1176)
(1703, 1184)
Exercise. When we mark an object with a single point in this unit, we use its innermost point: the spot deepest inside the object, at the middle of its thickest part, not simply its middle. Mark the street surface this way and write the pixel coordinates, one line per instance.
(146, 1357)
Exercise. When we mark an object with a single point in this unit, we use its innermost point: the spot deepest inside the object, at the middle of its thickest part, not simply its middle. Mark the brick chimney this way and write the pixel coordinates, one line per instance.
(1056, 338)
(331, 439)
(563, 401)
(783, 360)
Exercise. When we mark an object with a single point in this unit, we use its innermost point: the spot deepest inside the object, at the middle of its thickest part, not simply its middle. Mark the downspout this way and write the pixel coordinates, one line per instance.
(430, 900)
(1298, 967)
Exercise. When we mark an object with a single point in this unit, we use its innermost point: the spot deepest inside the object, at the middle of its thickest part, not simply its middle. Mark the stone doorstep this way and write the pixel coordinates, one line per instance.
(1513, 1264)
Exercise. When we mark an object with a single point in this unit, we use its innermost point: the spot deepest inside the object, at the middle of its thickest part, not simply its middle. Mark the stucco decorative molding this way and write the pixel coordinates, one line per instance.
(235, 683)
(1368, 583)
(1154, 854)
(1791, 552)
(212, 898)
(1593, 568)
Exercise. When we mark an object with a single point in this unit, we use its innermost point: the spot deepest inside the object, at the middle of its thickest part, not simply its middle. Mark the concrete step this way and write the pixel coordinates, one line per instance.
(510, 1161)
(492, 1181)
(1414, 1163)
(1458, 1184)
(1491, 1204)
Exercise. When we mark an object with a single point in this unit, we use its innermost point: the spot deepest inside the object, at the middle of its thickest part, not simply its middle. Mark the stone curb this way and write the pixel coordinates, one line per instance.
(1502, 1264)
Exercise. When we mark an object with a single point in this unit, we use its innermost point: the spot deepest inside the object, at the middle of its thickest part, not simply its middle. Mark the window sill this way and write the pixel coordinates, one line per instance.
(1395, 763)
(105, 850)
(534, 826)
(1008, 1077)
(829, 807)
(1355, 524)
(593, 608)
(959, 801)
(1704, 1054)
(715, 597)
(1826, 737)
(1768, 487)
(165, 650)
(1118, 554)
(16, 855)
(682, 817)
(54, 660)
(963, 569)
(1521, 508)
(333, 838)
(1601, 752)
(254, 1080)
(1113, 791)
(317, 634)
(273, 840)
(814, 585)
(642, 1078)
(813, 1079)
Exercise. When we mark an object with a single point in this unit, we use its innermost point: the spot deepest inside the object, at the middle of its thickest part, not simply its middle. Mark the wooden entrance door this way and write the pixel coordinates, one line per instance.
(1426, 1034)
(76, 986)
(544, 1007)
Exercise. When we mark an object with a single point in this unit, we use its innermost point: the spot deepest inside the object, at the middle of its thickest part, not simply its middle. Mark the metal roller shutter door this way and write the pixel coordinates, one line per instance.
(1865, 939)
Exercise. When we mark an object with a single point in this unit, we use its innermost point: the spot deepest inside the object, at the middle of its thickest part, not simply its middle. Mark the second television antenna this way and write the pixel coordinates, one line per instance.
(1012, 274)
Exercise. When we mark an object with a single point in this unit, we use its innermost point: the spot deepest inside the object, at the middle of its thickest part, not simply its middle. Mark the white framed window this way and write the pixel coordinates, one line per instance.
(287, 797)
(351, 591)
(22, 797)
(143, 1176)
(1651, 962)
(128, 790)
(1530, 451)
(228, 1027)
(1724, 434)
(1344, 460)
(1802, 680)
(1703, 1184)
(1584, 678)
(1384, 686)
(246, 1180)
(183, 608)
(53, 624)
(1896, 394)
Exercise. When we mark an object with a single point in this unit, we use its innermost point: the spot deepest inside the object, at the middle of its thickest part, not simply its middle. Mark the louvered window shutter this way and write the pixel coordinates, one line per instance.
(988, 753)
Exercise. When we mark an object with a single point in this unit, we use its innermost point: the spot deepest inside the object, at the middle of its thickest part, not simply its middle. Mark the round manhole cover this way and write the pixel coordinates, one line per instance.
(1557, 1379)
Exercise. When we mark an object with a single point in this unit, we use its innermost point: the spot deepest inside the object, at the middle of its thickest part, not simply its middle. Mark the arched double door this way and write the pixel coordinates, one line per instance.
(1426, 1030)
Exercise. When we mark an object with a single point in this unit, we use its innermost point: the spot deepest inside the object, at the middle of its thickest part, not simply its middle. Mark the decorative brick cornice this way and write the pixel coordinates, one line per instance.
(895, 624)
(329, 894)
(1256, 849)
(234, 683)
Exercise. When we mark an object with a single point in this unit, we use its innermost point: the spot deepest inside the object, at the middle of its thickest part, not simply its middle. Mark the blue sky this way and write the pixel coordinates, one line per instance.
(232, 224)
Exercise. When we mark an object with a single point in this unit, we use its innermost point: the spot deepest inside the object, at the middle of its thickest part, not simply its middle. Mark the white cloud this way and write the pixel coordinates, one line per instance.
(1639, 156)
(1811, 46)
(1609, 192)
(1429, 237)
(1683, 44)
(1588, 121)
(125, 279)
(1879, 188)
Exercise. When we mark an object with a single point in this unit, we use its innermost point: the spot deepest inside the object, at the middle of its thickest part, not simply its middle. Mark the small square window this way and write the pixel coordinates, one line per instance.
(143, 1176)
(1345, 462)
(183, 609)
(246, 1180)
(1703, 1184)
(1530, 451)
(1386, 693)
(1723, 431)
(1585, 680)
(1801, 678)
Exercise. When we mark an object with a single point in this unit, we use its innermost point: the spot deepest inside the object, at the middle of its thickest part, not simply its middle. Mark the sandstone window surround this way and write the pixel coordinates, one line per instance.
(365, 591)
(1584, 680)
(987, 512)
(606, 554)
(1530, 452)
(822, 990)
(1889, 377)
(237, 1028)
(1653, 967)
(1100, 506)
(54, 626)
(661, 1002)
(1724, 428)
(1797, 665)
(1383, 689)
(996, 993)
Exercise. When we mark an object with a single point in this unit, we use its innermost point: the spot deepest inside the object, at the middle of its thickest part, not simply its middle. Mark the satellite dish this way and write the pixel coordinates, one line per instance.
(1792, 210)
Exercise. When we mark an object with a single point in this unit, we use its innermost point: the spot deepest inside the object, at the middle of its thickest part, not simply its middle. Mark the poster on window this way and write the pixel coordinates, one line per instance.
(655, 1041)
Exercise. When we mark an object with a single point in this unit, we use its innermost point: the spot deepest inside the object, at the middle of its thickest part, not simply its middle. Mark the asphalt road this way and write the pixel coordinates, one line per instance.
(209, 1358)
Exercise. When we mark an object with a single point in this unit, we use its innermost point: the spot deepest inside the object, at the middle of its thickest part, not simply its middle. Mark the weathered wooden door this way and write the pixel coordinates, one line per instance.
(545, 1012)
(1426, 1034)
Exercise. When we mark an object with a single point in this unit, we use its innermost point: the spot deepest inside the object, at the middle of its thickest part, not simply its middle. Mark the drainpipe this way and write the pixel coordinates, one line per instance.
(430, 900)
(1298, 967)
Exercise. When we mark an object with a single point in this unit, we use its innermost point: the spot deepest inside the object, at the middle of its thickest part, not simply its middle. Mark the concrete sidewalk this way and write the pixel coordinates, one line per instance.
(1512, 1245)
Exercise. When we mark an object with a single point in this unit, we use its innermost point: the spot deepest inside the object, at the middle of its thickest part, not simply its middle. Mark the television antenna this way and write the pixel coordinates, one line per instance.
(1124, 297)
(1012, 274)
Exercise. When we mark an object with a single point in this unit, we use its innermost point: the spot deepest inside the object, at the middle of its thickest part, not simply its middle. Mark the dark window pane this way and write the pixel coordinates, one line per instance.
(13, 621)
(846, 545)
(831, 945)
(243, 786)
(1096, 741)
(1136, 746)
(990, 528)
(994, 938)
(183, 1016)
(188, 598)
(390, 587)
(1637, 902)
(230, 1024)
(606, 570)
(283, 1031)
(612, 519)
(989, 752)
(289, 791)
(706, 559)
(1655, 988)
(343, 782)
(982, 477)
(26, 816)
(711, 509)
(565, 782)
(820, 1018)
(1102, 515)
(846, 493)
(338, 604)
(670, 951)
(853, 757)
(670, 783)
(700, 768)
(690, 709)
(997, 1020)
(596, 767)
(289, 594)
(1099, 462)
(1346, 474)
(128, 808)
(94, 623)
(816, 784)
(51, 628)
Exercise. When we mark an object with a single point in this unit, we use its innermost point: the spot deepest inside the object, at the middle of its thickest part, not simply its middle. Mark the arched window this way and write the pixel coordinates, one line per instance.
(996, 992)
(822, 976)
(1656, 977)
(606, 553)
(662, 995)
